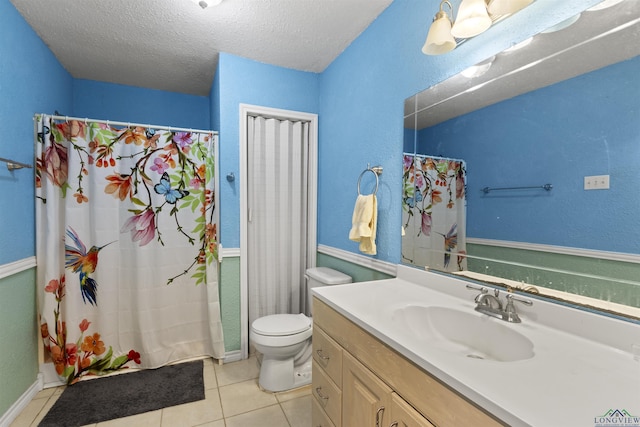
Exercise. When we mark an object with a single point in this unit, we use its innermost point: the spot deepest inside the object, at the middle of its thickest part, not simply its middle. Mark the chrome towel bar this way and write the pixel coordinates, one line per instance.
(13, 165)
(546, 187)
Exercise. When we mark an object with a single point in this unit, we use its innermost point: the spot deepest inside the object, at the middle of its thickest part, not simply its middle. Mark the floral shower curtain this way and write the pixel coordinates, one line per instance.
(434, 212)
(126, 246)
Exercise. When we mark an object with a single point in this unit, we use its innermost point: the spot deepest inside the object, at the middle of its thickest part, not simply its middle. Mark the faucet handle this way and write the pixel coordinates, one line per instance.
(510, 314)
(510, 298)
(482, 289)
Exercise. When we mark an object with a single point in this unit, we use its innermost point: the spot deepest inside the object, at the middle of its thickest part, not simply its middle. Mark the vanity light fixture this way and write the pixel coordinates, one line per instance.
(439, 40)
(474, 17)
(507, 7)
(206, 3)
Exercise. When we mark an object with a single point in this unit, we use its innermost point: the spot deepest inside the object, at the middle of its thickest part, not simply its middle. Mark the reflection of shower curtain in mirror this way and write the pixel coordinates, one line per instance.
(434, 212)
(126, 246)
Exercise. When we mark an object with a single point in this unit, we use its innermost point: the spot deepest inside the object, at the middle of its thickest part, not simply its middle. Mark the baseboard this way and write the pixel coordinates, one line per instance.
(19, 405)
(364, 261)
(12, 268)
(50, 377)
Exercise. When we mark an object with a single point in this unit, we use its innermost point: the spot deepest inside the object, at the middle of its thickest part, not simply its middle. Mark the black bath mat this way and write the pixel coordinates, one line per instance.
(103, 399)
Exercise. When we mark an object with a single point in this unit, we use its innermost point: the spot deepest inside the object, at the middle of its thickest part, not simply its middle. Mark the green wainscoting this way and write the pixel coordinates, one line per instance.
(357, 272)
(230, 291)
(230, 302)
(615, 281)
(18, 336)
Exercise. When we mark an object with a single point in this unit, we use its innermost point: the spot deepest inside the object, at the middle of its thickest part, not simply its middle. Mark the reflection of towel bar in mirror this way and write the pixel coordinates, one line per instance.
(13, 165)
(546, 187)
(376, 170)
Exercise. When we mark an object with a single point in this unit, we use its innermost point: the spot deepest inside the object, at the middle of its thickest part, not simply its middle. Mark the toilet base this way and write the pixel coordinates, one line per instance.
(281, 374)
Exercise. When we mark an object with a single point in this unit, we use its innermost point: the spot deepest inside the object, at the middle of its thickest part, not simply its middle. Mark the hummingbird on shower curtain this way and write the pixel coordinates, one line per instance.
(84, 262)
(450, 242)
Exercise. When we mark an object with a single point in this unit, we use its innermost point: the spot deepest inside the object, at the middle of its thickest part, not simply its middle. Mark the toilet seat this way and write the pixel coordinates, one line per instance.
(277, 325)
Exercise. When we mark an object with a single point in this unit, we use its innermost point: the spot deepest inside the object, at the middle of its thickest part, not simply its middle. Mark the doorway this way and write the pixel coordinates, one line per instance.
(278, 174)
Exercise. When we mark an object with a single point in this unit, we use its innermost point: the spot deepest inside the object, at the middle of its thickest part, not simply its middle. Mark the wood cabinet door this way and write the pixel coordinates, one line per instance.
(404, 415)
(365, 398)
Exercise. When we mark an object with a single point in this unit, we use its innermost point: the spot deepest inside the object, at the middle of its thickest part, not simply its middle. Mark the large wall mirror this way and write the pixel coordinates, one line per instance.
(533, 157)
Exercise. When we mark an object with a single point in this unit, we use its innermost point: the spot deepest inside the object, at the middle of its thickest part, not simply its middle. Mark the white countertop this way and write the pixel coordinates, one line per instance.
(583, 364)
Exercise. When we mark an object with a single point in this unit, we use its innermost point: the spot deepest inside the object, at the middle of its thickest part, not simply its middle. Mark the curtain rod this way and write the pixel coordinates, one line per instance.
(129, 124)
(275, 117)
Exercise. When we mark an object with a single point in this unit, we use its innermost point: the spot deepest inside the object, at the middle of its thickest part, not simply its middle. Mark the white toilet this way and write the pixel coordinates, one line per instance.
(285, 339)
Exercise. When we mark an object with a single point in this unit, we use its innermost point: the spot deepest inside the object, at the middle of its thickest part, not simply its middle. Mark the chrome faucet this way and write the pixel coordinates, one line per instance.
(491, 305)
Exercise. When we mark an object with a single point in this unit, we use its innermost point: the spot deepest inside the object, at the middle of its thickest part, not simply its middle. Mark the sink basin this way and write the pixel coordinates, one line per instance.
(464, 334)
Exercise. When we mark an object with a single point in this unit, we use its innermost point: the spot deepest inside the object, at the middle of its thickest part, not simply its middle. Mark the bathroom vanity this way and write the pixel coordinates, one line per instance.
(360, 381)
(412, 351)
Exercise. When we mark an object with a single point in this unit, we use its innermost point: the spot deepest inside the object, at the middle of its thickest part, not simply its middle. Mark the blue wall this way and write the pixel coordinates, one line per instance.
(98, 100)
(359, 100)
(588, 125)
(242, 81)
(361, 106)
(31, 81)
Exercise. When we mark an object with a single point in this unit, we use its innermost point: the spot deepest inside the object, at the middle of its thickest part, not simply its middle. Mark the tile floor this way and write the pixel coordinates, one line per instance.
(232, 399)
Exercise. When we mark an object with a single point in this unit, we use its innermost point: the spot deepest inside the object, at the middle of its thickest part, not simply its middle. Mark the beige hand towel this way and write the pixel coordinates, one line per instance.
(364, 222)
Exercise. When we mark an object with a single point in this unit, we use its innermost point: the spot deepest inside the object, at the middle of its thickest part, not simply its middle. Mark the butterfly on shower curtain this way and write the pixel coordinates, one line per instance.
(84, 262)
(171, 195)
(45, 131)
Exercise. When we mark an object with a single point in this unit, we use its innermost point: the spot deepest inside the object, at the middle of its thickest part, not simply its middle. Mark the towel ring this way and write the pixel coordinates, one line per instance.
(376, 170)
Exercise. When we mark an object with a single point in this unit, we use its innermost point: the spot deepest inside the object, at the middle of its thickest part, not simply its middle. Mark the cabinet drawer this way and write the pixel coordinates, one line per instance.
(328, 354)
(327, 394)
(318, 416)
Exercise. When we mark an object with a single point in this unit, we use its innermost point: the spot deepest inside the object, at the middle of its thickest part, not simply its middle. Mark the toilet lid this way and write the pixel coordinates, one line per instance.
(281, 324)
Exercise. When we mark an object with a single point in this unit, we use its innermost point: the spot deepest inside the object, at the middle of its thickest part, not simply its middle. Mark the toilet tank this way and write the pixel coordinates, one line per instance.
(323, 276)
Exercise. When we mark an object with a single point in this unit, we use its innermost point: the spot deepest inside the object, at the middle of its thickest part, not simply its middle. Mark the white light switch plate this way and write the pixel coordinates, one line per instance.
(596, 182)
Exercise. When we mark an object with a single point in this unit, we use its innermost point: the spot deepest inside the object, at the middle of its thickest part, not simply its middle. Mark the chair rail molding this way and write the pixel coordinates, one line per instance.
(15, 267)
(364, 261)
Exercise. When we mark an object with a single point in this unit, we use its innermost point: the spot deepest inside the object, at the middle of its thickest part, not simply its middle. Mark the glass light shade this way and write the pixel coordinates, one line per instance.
(472, 19)
(439, 40)
(506, 7)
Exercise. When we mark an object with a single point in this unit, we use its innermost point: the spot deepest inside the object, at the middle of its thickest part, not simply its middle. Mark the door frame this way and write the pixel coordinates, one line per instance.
(247, 110)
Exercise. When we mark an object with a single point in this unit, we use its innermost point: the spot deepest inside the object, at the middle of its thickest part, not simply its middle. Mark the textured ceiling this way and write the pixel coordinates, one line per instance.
(173, 45)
